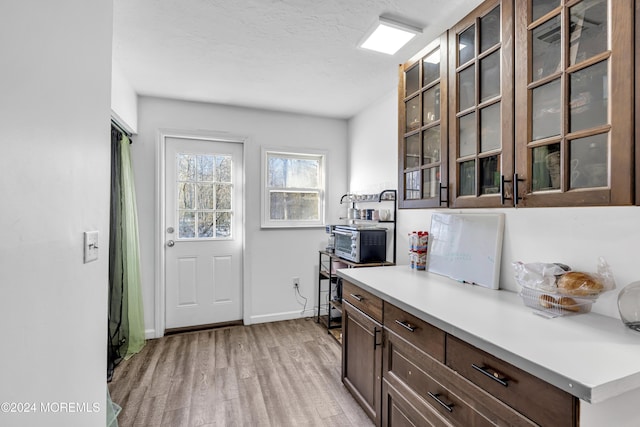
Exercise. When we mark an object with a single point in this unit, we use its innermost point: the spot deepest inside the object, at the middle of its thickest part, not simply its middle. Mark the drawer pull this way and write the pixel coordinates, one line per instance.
(357, 297)
(436, 397)
(494, 376)
(408, 326)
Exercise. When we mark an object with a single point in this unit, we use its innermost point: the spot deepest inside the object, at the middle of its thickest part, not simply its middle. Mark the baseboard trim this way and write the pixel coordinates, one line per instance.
(276, 317)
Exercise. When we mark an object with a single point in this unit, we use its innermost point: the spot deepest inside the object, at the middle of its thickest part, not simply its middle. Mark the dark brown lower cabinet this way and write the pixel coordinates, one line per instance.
(362, 359)
(406, 372)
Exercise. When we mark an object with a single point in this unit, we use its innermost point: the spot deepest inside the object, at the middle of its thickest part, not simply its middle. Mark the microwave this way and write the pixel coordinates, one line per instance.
(360, 244)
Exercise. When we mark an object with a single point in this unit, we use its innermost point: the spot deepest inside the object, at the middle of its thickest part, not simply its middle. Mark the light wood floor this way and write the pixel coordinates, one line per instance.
(272, 374)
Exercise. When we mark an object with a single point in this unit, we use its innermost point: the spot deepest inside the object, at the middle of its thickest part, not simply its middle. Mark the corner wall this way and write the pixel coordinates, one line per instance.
(574, 236)
(56, 78)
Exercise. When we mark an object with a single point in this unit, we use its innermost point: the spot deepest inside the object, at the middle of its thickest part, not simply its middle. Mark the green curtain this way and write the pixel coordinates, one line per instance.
(126, 317)
(131, 253)
(112, 411)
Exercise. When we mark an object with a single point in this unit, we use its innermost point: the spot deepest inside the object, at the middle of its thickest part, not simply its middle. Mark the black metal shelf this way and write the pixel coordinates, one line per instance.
(328, 286)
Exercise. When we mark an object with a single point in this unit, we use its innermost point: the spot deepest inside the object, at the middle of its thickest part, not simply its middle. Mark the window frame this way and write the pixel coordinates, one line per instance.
(265, 200)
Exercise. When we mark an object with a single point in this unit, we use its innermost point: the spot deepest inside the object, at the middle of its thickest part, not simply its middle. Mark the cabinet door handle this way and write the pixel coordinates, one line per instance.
(503, 195)
(408, 326)
(357, 297)
(516, 195)
(443, 187)
(436, 397)
(376, 331)
(494, 376)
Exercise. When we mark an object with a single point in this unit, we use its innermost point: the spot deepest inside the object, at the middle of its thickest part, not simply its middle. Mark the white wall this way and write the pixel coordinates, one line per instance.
(124, 100)
(574, 236)
(56, 72)
(272, 256)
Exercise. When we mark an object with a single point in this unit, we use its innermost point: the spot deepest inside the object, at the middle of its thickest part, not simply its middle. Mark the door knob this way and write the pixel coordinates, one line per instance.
(170, 243)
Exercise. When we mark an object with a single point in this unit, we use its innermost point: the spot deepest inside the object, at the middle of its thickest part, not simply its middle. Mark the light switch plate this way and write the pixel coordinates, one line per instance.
(90, 246)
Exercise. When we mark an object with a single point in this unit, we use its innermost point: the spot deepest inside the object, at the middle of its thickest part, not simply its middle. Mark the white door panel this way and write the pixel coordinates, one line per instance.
(203, 238)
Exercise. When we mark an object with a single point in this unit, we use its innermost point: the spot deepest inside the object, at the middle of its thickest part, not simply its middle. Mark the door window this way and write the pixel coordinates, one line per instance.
(204, 195)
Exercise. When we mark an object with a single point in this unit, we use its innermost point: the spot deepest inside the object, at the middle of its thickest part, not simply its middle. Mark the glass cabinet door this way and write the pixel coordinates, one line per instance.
(423, 128)
(574, 136)
(481, 106)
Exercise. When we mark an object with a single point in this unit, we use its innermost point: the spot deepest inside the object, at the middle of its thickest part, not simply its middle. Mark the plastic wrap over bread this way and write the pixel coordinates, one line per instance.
(559, 279)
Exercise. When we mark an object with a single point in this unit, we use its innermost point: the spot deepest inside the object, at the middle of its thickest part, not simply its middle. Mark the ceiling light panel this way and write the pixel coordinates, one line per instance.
(389, 36)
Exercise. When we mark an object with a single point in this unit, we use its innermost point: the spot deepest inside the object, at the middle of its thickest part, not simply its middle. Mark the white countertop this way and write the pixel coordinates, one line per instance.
(591, 356)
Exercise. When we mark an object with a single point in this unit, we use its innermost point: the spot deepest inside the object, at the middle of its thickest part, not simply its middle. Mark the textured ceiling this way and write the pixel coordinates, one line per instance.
(288, 55)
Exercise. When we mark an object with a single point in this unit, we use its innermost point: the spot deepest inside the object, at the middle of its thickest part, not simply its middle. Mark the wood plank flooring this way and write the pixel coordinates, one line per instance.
(272, 374)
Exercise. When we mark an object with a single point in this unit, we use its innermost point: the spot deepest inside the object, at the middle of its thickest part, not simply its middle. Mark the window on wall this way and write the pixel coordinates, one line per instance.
(293, 189)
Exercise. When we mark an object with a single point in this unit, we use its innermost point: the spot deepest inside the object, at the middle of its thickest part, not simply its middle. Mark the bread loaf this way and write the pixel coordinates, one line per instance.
(569, 304)
(579, 284)
(546, 301)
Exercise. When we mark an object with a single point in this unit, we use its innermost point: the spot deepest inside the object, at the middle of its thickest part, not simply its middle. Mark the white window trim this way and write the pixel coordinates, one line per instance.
(266, 222)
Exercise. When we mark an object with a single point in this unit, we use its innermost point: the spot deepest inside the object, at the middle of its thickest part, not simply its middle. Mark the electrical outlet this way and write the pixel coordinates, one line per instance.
(295, 282)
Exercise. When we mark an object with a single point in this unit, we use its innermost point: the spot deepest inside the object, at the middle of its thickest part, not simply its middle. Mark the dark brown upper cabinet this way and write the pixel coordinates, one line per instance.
(422, 127)
(574, 96)
(481, 125)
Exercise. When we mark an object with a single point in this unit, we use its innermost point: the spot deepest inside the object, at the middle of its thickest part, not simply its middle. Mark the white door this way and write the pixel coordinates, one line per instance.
(203, 232)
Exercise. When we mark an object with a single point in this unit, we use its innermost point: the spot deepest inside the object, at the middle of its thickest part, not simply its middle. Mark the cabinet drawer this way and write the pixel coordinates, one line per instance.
(362, 300)
(398, 411)
(426, 337)
(425, 382)
(533, 397)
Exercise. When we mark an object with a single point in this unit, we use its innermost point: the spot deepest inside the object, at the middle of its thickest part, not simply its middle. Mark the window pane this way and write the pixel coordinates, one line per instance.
(198, 195)
(589, 160)
(186, 196)
(546, 168)
(413, 113)
(293, 173)
(589, 97)
(187, 224)
(490, 76)
(490, 29)
(431, 179)
(223, 168)
(431, 105)
(546, 112)
(223, 224)
(294, 206)
(467, 88)
(412, 80)
(204, 168)
(412, 185)
(490, 175)
(205, 196)
(431, 145)
(468, 178)
(542, 7)
(467, 135)
(223, 196)
(466, 45)
(490, 128)
(545, 53)
(588, 30)
(412, 158)
(431, 68)
(205, 224)
(186, 167)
